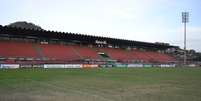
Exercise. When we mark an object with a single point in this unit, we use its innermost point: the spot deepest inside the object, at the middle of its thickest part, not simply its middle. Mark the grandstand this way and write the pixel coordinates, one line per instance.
(36, 47)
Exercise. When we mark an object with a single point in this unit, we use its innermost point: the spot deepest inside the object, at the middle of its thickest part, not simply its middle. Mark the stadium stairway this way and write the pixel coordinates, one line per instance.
(39, 51)
(76, 52)
(103, 55)
(86, 52)
(117, 54)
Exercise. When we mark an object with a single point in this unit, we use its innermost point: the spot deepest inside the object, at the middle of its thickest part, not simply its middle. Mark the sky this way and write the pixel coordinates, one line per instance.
(140, 20)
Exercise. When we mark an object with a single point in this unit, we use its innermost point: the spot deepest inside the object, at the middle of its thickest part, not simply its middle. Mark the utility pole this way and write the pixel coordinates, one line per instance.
(185, 19)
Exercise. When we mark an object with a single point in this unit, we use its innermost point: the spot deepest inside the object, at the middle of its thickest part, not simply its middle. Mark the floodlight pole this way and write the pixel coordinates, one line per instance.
(185, 19)
(184, 43)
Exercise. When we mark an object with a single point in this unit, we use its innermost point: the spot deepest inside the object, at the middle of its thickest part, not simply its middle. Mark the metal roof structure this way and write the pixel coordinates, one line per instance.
(76, 37)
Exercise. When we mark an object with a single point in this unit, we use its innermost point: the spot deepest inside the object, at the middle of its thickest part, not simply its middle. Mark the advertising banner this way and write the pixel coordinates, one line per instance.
(53, 65)
(135, 65)
(167, 65)
(72, 66)
(90, 66)
(38, 66)
(25, 66)
(147, 65)
(12, 66)
(121, 65)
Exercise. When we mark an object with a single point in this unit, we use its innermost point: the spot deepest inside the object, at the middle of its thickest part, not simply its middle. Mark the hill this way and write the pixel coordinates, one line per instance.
(26, 25)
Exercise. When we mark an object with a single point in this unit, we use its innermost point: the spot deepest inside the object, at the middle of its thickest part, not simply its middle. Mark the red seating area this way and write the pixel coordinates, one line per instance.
(162, 58)
(71, 52)
(121, 54)
(152, 57)
(17, 49)
(117, 54)
(59, 52)
(86, 52)
(140, 55)
(146, 57)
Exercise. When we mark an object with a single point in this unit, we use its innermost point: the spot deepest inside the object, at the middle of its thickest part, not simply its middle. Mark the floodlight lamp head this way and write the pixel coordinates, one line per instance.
(185, 17)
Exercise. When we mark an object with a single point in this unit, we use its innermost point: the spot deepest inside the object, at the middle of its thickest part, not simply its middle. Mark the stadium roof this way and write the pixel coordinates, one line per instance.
(68, 36)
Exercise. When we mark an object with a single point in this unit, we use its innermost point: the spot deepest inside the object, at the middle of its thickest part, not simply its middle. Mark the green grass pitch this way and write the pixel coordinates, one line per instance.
(107, 84)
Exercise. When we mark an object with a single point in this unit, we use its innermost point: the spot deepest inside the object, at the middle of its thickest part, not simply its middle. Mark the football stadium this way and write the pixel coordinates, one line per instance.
(100, 50)
(41, 65)
(48, 49)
